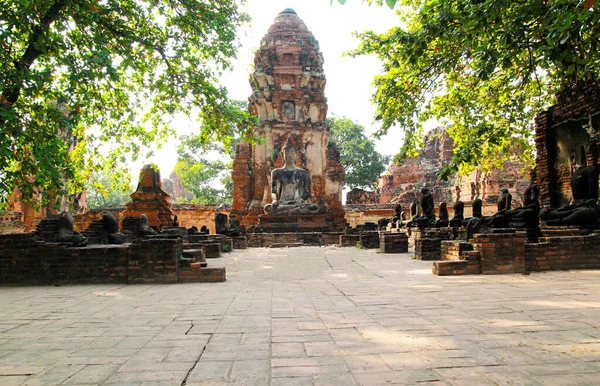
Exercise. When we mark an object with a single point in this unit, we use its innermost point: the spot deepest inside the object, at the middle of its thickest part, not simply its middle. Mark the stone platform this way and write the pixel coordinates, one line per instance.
(511, 252)
(293, 239)
(306, 223)
(24, 260)
(393, 243)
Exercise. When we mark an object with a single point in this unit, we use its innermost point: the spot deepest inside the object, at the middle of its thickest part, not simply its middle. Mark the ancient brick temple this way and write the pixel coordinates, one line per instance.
(560, 133)
(402, 182)
(150, 199)
(288, 97)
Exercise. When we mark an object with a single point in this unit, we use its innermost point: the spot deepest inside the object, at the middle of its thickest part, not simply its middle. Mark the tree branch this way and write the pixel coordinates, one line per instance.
(35, 47)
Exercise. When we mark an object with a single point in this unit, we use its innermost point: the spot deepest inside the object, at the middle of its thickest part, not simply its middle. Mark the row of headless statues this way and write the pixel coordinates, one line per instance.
(582, 211)
(423, 216)
(110, 229)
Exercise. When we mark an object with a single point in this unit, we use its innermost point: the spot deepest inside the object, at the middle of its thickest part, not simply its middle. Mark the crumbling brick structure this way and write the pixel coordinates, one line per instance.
(288, 98)
(402, 182)
(560, 132)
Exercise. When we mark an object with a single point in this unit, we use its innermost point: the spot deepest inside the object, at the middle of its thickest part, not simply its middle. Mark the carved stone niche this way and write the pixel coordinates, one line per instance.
(287, 59)
(288, 111)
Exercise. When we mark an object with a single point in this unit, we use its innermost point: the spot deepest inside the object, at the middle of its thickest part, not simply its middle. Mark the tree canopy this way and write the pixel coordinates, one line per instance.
(205, 168)
(484, 67)
(205, 171)
(103, 189)
(85, 82)
(363, 165)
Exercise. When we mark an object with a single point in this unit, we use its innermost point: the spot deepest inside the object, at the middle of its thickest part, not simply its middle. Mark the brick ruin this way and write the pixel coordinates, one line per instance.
(359, 196)
(573, 122)
(168, 256)
(150, 199)
(172, 186)
(561, 132)
(402, 182)
(288, 98)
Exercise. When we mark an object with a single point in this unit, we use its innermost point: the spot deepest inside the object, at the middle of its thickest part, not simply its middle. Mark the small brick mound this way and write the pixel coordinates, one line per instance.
(240, 242)
(393, 243)
(349, 240)
(369, 239)
(428, 249)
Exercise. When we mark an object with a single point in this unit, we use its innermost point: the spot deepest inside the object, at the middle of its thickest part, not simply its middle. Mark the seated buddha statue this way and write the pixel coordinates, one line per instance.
(583, 209)
(526, 216)
(427, 206)
(290, 186)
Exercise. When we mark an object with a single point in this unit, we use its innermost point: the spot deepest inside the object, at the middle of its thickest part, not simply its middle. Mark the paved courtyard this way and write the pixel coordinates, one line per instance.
(308, 316)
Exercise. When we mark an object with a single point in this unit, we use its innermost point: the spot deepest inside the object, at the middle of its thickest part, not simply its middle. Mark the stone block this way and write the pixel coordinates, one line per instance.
(393, 243)
(448, 268)
(428, 249)
(349, 240)
(454, 249)
(240, 242)
(202, 275)
(501, 253)
(369, 239)
(331, 238)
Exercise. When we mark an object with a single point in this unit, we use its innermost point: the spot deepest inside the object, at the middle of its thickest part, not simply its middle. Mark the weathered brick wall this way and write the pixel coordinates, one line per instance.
(393, 243)
(501, 252)
(155, 261)
(199, 214)
(560, 130)
(188, 215)
(293, 239)
(12, 222)
(454, 249)
(565, 252)
(25, 261)
(361, 197)
(360, 214)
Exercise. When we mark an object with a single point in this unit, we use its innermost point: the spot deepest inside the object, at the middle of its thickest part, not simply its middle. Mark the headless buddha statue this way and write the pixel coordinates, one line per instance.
(583, 209)
(290, 186)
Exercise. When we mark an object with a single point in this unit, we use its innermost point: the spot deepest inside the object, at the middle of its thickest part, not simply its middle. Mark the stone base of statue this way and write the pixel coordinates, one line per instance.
(320, 222)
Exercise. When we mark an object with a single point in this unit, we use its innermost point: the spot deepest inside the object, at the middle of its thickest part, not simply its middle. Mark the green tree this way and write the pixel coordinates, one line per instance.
(205, 168)
(484, 67)
(106, 189)
(85, 82)
(363, 165)
(201, 177)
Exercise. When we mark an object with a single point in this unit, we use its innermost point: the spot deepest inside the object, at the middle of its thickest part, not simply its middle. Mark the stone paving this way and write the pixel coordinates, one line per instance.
(308, 316)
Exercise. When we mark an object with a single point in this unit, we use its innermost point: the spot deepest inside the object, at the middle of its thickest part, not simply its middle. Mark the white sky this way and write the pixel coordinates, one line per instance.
(348, 87)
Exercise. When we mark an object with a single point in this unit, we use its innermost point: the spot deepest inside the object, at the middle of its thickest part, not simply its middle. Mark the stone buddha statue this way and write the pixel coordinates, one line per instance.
(583, 209)
(290, 186)
(427, 206)
(501, 217)
(528, 215)
(443, 214)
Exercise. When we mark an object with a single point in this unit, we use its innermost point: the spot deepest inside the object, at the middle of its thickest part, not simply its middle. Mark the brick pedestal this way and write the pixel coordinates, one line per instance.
(454, 249)
(369, 240)
(349, 240)
(240, 242)
(428, 249)
(393, 243)
(567, 252)
(501, 252)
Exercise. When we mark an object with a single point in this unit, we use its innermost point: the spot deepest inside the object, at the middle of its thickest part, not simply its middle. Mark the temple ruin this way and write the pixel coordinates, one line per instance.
(288, 97)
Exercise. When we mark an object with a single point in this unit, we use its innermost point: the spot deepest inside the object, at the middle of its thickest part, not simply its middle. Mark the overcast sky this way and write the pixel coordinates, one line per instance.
(348, 87)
